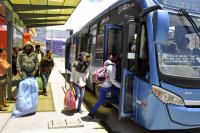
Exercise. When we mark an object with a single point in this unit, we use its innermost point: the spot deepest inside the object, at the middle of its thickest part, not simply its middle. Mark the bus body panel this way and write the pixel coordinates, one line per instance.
(157, 117)
(184, 93)
(142, 90)
(152, 57)
(184, 116)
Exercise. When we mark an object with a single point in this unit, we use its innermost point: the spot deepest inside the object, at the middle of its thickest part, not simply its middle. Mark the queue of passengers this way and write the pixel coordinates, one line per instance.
(25, 63)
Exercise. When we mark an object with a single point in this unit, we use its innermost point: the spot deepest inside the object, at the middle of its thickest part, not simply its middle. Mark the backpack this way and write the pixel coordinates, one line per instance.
(69, 100)
(100, 75)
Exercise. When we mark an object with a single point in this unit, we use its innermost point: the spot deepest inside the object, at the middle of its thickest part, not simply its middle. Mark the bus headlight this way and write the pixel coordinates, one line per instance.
(167, 97)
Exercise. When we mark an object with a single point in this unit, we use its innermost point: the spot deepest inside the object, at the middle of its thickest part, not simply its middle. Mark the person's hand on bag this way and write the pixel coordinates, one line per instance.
(20, 73)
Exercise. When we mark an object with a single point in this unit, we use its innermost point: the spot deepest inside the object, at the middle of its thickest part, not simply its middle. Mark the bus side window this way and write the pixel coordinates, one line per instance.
(143, 61)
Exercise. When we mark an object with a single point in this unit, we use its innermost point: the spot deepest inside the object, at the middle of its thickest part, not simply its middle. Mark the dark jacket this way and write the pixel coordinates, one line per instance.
(46, 64)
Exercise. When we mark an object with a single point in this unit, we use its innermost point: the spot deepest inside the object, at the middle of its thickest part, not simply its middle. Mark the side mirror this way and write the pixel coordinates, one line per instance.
(160, 26)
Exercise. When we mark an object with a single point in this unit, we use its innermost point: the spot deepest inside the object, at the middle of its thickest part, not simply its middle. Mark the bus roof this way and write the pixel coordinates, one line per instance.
(144, 3)
(116, 4)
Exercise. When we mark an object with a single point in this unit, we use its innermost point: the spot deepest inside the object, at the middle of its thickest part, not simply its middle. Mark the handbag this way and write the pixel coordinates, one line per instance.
(4, 66)
(40, 82)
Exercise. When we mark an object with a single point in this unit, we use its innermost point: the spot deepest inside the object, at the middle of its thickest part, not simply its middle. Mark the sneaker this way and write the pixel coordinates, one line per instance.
(91, 116)
(45, 94)
(6, 105)
(80, 111)
(3, 109)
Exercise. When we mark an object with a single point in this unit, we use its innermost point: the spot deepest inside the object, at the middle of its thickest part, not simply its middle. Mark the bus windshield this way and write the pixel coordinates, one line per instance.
(180, 56)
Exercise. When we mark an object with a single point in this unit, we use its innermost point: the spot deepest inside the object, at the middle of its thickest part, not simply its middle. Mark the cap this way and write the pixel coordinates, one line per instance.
(86, 54)
(27, 43)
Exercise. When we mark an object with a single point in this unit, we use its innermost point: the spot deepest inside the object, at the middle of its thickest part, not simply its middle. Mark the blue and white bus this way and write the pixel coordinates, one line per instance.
(160, 68)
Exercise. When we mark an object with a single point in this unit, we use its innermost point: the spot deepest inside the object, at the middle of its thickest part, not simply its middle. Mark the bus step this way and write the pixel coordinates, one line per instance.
(116, 105)
(110, 100)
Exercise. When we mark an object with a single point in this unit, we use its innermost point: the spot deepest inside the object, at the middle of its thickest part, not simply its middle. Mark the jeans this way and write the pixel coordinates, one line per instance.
(79, 95)
(45, 78)
(102, 95)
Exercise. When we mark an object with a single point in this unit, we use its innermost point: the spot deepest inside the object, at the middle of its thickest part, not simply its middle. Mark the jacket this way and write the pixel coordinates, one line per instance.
(46, 64)
(79, 78)
(27, 63)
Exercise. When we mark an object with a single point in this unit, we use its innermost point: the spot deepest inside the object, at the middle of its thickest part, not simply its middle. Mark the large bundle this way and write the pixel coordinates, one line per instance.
(27, 98)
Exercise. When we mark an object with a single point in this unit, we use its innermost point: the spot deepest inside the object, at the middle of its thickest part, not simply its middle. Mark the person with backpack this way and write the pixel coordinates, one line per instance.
(79, 76)
(110, 84)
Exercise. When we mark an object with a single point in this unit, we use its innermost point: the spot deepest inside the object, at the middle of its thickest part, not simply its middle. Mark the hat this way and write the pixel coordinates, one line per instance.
(27, 43)
(86, 54)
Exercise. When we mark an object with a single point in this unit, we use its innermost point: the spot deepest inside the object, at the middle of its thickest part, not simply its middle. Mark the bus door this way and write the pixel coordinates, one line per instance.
(112, 39)
(127, 99)
(113, 44)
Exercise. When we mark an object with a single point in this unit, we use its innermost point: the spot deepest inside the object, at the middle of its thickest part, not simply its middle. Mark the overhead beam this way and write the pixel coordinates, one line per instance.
(25, 7)
(41, 21)
(41, 25)
(25, 16)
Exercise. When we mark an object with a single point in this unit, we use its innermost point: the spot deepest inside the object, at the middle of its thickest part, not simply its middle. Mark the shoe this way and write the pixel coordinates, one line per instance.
(91, 116)
(45, 94)
(80, 111)
(3, 109)
(13, 99)
(6, 105)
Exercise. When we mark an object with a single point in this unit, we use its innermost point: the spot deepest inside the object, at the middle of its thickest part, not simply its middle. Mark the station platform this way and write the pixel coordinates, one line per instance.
(52, 121)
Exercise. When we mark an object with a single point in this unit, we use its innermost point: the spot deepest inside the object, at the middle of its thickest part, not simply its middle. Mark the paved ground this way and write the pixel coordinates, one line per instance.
(38, 123)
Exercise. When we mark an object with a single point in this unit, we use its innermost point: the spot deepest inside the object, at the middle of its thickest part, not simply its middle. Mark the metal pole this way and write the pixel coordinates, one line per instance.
(9, 46)
(51, 40)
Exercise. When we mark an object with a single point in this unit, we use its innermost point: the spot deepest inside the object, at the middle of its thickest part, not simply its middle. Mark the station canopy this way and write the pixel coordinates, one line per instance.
(39, 13)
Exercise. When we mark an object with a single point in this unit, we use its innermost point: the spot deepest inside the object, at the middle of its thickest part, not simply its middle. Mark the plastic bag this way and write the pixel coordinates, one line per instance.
(40, 83)
(69, 100)
(27, 98)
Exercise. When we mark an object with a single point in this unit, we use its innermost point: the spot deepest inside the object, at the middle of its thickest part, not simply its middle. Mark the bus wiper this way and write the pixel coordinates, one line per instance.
(185, 13)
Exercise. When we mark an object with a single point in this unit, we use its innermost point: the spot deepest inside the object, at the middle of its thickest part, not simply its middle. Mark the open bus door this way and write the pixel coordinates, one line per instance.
(112, 39)
(127, 98)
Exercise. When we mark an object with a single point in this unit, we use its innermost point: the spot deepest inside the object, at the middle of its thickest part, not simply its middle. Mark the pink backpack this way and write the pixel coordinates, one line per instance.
(100, 75)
